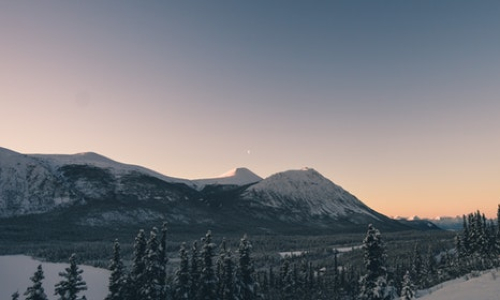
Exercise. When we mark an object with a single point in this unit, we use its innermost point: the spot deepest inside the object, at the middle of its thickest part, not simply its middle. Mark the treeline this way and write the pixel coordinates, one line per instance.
(206, 271)
(478, 247)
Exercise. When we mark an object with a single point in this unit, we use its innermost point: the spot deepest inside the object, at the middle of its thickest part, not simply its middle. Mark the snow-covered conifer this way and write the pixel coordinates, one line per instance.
(182, 278)
(15, 296)
(36, 291)
(195, 272)
(286, 284)
(408, 290)
(374, 285)
(117, 277)
(136, 277)
(208, 282)
(153, 284)
(163, 260)
(497, 240)
(227, 285)
(245, 284)
(72, 283)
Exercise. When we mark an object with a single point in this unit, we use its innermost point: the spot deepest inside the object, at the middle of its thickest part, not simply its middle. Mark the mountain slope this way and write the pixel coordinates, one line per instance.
(91, 190)
(306, 191)
(31, 184)
(300, 196)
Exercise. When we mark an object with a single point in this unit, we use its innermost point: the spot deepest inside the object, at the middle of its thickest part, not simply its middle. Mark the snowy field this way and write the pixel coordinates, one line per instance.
(486, 286)
(16, 270)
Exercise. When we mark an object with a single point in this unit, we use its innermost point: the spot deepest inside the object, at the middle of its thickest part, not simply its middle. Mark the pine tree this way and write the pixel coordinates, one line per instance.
(208, 282)
(352, 284)
(163, 260)
(308, 279)
(153, 284)
(136, 278)
(228, 278)
(195, 273)
(117, 282)
(497, 240)
(36, 291)
(417, 266)
(219, 268)
(72, 283)
(374, 284)
(181, 282)
(286, 284)
(15, 296)
(429, 268)
(335, 280)
(245, 285)
(408, 290)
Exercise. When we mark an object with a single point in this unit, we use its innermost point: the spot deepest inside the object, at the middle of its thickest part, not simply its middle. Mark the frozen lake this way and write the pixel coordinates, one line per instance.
(16, 270)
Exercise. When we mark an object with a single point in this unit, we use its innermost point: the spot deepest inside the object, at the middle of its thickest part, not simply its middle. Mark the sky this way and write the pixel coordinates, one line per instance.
(396, 101)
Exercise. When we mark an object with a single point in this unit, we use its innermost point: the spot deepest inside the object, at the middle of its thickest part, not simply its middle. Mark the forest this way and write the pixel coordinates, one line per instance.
(380, 268)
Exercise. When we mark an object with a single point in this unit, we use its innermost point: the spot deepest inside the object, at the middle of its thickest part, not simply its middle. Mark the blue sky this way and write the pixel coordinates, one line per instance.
(397, 101)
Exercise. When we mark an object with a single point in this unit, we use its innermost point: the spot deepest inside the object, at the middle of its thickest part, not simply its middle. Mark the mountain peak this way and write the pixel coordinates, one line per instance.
(308, 189)
(237, 176)
(239, 172)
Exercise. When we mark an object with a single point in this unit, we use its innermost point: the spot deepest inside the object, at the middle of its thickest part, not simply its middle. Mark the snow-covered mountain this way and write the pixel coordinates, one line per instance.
(36, 183)
(238, 176)
(56, 161)
(105, 192)
(305, 191)
(307, 196)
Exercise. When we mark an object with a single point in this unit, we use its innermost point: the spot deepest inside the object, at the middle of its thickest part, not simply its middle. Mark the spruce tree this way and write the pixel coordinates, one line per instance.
(195, 273)
(497, 239)
(72, 283)
(182, 276)
(36, 291)
(245, 285)
(466, 236)
(308, 279)
(15, 296)
(163, 259)
(417, 266)
(117, 281)
(153, 284)
(429, 268)
(408, 290)
(219, 267)
(227, 286)
(286, 285)
(136, 278)
(374, 284)
(208, 283)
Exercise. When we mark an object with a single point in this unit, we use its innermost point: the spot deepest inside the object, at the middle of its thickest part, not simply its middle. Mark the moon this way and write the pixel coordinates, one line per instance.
(248, 152)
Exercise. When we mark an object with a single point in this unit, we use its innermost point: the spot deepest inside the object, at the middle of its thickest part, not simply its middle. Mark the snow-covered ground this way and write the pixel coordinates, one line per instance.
(300, 253)
(16, 270)
(486, 286)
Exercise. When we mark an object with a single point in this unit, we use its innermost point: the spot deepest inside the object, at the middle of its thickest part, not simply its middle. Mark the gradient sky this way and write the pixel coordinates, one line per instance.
(396, 101)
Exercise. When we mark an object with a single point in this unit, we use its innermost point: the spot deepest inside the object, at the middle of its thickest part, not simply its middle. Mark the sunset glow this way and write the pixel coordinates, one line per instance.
(397, 102)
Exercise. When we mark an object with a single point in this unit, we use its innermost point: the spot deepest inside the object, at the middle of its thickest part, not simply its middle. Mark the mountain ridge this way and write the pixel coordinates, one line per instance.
(107, 192)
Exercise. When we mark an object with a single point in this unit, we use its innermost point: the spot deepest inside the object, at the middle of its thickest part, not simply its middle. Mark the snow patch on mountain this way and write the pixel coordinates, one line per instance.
(238, 176)
(306, 189)
(21, 177)
(55, 161)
